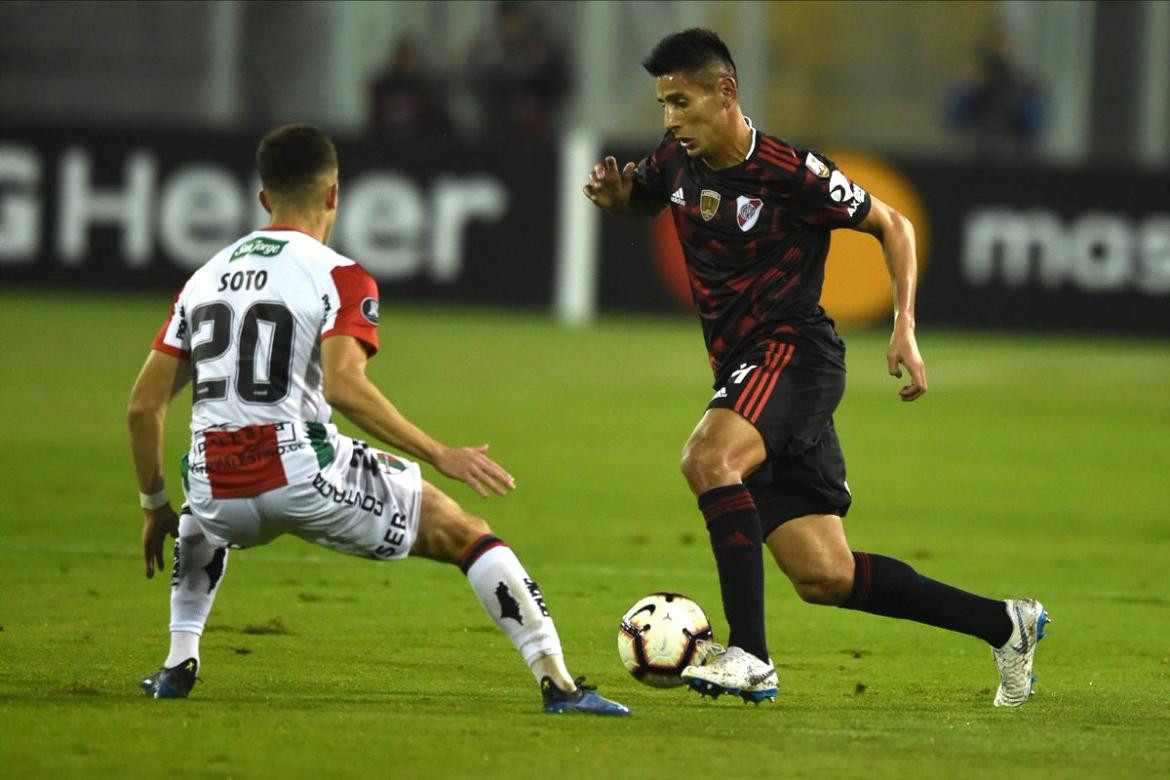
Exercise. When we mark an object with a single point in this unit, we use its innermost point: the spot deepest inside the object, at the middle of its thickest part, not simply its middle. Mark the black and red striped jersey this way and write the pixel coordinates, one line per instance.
(755, 237)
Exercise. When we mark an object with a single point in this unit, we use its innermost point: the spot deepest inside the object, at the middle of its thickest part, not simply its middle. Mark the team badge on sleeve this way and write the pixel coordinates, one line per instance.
(747, 211)
(370, 310)
(708, 204)
(816, 165)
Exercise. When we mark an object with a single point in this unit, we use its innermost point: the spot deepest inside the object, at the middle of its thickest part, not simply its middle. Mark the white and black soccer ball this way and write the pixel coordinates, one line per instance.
(658, 635)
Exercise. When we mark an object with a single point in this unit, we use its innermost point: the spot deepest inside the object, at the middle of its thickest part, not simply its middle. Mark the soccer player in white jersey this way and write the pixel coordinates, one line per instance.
(273, 333)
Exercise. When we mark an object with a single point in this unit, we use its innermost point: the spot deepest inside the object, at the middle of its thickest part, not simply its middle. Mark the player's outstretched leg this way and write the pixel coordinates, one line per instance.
(886, 586)
(813, 552)
(510, 597)
(198, 570)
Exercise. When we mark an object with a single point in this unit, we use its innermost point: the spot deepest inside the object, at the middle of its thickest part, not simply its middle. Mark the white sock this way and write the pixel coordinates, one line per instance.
(184, 645)
(198, 571)
(513, 600)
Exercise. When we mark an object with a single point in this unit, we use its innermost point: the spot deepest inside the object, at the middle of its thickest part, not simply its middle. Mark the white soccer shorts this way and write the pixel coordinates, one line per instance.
(365, 502)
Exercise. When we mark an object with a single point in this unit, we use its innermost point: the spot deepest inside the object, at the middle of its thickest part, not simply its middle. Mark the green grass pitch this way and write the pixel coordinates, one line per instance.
(1034, 466)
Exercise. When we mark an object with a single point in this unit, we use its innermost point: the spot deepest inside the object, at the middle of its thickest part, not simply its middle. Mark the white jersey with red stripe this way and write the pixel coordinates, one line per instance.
(251, 321)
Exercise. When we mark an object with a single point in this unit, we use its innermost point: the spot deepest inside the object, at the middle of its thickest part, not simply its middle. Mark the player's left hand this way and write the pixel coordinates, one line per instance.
(903, 351)
(473, 466)
(157, 524)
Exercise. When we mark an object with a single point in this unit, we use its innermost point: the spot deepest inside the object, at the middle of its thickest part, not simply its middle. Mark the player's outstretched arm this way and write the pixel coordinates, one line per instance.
(350, 391)
(897, 236)
(613, 190)
(161, 379)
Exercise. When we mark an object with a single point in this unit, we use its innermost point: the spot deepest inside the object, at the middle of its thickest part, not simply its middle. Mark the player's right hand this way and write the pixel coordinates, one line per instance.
(608, 186)
(157, 524)
(473, 466)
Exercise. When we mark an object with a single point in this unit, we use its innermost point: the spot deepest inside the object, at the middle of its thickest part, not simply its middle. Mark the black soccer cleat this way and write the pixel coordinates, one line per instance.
(173, 683)
(585, 699)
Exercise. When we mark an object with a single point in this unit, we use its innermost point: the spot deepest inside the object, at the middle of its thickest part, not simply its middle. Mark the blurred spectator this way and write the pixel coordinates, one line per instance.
(1003, 108)
(518, 72)
(406, 100)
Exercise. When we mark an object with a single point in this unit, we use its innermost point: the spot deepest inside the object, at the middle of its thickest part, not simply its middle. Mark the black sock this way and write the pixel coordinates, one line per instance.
(734, 527)
(885, 586)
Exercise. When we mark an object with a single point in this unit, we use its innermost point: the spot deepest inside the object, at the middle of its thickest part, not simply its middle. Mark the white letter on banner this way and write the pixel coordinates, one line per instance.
(199, 214)
(381, 224)
(455, 203)
(1154, 240)
(1101, 251)
(20, 209)
(82, 206)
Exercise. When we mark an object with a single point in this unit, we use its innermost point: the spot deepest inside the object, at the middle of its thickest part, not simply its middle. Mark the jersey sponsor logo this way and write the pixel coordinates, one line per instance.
(370, 310)
(839, 187)
(709, 204)
(841, 190)
(265, 247)
(244, 462)
(816, 165)
(678, 198)
(394, 537)
(858, 199)
(348, 496)
(747, 211)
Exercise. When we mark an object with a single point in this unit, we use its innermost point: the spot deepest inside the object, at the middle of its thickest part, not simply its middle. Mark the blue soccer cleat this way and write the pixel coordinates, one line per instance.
(585, 699)
(173, 683)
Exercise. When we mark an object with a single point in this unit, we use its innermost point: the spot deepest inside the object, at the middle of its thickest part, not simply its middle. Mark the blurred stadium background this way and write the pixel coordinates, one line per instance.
(1028, 141)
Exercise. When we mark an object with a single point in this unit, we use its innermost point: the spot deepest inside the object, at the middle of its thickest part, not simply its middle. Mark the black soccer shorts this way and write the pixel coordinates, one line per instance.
(789, 393)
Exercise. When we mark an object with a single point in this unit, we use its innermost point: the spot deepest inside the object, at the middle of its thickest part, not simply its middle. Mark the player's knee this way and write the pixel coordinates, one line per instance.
(825, 587)
(704, 467)
(446, 531)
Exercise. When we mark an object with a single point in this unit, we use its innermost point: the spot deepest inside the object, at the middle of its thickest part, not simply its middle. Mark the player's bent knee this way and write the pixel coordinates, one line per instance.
(704, 468)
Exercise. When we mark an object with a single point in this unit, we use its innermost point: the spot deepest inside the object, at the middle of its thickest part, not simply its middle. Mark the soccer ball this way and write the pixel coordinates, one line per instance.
(658, 635)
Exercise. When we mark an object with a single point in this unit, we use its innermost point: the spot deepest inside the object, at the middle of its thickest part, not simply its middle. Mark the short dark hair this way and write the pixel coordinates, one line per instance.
(688, 51)
(292, 158)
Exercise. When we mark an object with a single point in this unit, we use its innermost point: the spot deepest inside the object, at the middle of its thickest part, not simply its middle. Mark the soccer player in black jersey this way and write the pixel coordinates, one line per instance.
(754, 215)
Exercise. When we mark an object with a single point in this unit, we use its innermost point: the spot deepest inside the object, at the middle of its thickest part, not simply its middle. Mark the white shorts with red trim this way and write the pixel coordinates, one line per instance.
(363, 502)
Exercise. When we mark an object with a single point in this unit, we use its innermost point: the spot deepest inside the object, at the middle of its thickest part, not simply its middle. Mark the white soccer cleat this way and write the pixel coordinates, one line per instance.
(1015, 658)
(734, 671)
(705, 649)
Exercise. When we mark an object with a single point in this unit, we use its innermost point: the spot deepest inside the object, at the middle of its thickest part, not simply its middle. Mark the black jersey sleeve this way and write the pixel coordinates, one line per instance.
(649, 176)
(826, 197)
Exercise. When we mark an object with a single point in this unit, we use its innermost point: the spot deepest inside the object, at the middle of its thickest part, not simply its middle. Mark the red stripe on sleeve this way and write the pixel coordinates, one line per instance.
(167, 349)
(357, 312)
